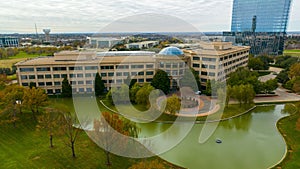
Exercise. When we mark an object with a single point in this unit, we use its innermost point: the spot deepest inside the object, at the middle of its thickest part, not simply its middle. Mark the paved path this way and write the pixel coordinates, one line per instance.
(283, 96)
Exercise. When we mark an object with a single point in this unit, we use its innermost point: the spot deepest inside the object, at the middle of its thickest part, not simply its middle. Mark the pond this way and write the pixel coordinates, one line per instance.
(249, 141)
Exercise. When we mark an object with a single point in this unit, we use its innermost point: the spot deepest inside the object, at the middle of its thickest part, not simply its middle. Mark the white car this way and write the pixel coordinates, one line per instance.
(198, 92)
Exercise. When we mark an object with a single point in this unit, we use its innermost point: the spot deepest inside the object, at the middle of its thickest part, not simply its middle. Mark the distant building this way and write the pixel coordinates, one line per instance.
(99, 42)
(261, 24)
(210, 60)
(142, 45)
(9, 42)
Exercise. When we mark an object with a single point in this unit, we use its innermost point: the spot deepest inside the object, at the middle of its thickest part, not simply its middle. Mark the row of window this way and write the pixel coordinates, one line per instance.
(171, 65)
(109, 67)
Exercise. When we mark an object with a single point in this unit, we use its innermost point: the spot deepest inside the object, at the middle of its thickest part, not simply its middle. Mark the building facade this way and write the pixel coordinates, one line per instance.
(260, 24)
(80, 68)
(9, 42)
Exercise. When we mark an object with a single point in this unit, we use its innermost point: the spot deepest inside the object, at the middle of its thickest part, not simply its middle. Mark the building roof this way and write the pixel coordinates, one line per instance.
(171, 51)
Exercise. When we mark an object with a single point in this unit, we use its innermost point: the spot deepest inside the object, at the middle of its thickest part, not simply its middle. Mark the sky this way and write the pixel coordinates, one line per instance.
(20, 16)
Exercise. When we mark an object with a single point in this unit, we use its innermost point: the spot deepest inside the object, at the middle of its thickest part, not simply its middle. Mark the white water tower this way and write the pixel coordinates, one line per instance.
(47, 34)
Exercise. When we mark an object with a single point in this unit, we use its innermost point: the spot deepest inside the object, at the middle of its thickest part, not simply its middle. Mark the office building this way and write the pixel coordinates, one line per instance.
(9, 42)
(261, 24)
(211, 61)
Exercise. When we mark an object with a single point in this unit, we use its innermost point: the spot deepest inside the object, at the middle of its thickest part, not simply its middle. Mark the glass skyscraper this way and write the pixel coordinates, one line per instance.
(269, 15)
(260, 24)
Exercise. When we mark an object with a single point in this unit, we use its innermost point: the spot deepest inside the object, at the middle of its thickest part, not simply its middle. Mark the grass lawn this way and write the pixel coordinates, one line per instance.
(8, 63)
(293, 52)
(287, 127)
(26, 147)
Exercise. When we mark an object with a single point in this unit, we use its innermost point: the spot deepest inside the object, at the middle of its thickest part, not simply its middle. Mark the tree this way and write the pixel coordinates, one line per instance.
(228, 95)
(237, 93)
(50, 121)
(32, 84)
(118, 94)
(282, 77)
(142, 96)
(173, 104)
(294, 70)
(133, 91)
(255, 64)
(296, 85)
(161, 81)
(270, 85)
(67, 125)
(66, 88)
(34, 98)
(99, 85)
(107, 129)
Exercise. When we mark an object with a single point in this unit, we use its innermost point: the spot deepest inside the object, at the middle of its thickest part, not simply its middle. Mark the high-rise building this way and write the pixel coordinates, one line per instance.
(267, 15)
(260, 24)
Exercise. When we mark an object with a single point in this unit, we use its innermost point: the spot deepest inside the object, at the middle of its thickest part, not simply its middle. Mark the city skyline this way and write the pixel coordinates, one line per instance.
(90, 16)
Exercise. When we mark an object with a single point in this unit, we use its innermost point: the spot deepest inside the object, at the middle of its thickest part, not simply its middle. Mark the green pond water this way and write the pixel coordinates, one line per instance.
(249, 141)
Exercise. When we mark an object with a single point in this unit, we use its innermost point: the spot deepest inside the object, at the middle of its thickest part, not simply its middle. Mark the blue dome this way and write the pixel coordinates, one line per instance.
(171, 51)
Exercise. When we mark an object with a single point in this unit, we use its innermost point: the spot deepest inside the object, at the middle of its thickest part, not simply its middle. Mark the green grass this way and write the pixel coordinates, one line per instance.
(287, 127)
(25, 147)
(21, 56)
(12, 77)
(293, 52)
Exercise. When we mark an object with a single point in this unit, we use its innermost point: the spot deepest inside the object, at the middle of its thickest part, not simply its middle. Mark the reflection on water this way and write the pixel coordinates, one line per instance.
(249, 141)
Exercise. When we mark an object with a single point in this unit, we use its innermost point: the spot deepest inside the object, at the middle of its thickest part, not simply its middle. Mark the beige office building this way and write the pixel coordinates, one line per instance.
(114, 67)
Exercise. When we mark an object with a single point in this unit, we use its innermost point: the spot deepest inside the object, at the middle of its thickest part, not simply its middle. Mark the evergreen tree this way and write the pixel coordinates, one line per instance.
(161, 81)
(66, 88)
(99, 85)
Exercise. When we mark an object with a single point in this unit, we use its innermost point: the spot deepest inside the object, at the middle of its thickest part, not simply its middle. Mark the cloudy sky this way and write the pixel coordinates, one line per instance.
(20, 16)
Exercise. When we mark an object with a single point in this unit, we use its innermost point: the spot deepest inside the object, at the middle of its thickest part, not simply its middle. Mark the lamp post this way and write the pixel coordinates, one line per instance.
(19, 102)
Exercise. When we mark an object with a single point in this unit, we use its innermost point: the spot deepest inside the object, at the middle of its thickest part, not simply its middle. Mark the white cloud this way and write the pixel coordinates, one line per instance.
(90, 16)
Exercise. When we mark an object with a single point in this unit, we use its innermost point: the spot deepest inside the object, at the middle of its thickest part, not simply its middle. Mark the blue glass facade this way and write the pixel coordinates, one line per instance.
(270, 15)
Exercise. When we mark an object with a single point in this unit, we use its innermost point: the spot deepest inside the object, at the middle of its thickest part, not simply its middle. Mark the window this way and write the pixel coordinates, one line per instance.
(149, 73)
(57, 83)
(48, 76)
(40, 76)
(209, 59)
(79, 75)
(56, 75)
(88, 75)
(196, 58)
(122, 66)
(149, 66)
(107, 67)
(23, 77)
(133, 73)
(81, 90)
(57, 91)
(119, 81)
(72, 75)
(103, 74)
(89, 90)
(41, 83)
(89, 82)
(63, 75)
(212, 74)
(80, 82)
(175, 65)
(26, 69)
(75, 68)
(148, 80)
(168, 65)
(39, 69)
(137, 66)
(196, 65)
(24, 84)
(125, 73)
(73, 82)
(204, 73)
(212, 67)
(59, 68)
(204, 66)
(111, 74)
(48, 83)
(31, 76)
(141, 80)
(50, 91)
(91, 67)
(141, 73)
(119, 73)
